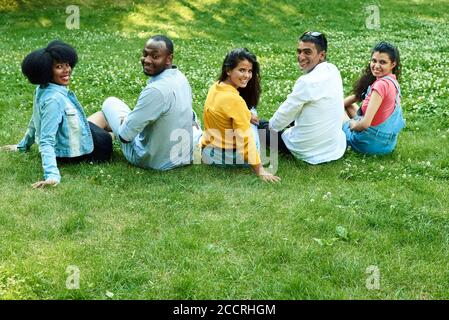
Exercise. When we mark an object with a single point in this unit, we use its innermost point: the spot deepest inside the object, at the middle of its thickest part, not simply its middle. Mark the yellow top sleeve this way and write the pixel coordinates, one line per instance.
(227, 122)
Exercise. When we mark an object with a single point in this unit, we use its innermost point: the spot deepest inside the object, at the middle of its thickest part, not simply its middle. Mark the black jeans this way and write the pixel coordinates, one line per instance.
(102, 148)
(282, 148)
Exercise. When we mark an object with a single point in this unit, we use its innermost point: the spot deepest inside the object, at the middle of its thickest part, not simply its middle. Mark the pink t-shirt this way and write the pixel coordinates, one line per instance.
(386, 89)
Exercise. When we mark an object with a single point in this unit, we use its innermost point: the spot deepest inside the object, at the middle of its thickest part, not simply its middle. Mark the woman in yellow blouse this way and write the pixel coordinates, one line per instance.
(228, 138)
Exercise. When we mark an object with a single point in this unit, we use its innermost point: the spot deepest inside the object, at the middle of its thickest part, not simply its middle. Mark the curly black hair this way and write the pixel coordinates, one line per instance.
(38, 65)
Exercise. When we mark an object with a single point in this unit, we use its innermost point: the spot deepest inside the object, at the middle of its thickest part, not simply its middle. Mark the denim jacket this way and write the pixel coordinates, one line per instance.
(59, 127)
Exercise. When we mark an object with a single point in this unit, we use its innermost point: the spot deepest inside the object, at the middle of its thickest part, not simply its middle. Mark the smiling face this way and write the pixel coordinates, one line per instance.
(62, 72)
(240, 75)
(308, 56)
(155, 58)
(381, 64)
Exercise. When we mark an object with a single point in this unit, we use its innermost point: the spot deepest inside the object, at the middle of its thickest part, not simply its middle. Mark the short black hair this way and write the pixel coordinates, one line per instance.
(166, 40)
(318, 38)
(38, 65)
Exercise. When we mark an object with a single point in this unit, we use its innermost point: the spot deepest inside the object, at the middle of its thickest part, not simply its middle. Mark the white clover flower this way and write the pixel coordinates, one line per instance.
(327, 195)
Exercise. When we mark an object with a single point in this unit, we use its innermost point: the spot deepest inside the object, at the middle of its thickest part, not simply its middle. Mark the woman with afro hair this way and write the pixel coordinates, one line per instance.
(59, 125)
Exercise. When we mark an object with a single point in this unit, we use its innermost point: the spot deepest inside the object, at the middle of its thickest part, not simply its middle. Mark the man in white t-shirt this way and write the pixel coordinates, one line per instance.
(309, 121)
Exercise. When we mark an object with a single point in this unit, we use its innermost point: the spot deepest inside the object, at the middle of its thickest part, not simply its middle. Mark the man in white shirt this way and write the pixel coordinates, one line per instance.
(315, 106)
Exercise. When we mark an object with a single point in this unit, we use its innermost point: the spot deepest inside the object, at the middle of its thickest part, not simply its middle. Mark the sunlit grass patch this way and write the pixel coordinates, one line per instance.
(202, 232)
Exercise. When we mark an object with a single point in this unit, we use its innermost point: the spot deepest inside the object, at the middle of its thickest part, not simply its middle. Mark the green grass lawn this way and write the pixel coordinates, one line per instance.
(202, 232)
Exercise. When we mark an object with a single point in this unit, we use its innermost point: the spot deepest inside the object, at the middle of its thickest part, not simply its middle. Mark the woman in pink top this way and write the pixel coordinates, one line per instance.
(373, 128)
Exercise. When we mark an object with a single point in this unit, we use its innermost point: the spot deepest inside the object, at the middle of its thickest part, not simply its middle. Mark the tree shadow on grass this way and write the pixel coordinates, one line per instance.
(246, 21)
(208, 20)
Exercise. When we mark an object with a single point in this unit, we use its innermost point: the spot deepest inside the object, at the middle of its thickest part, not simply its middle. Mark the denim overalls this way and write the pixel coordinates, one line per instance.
(380, 139)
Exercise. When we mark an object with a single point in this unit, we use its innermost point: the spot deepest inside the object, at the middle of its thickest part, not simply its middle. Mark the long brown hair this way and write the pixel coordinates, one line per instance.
(361, 85)
(251, 93)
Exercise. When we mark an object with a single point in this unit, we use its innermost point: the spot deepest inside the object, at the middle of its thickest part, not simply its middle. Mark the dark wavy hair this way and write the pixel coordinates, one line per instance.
(361, 85)
(251, 93)
(38, 65)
